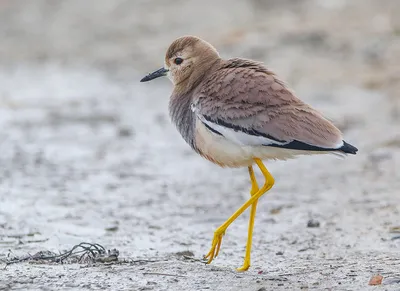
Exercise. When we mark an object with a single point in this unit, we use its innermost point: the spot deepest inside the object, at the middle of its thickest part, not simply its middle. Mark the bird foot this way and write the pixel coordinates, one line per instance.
(215, 246)
(245, 267)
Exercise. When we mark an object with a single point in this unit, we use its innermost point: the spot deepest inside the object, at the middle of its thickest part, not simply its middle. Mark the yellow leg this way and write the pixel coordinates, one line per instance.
(254, 189)
(220, 231)
(254, 185)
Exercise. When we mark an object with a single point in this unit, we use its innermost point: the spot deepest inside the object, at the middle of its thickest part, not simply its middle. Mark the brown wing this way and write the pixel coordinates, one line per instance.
(248, 99)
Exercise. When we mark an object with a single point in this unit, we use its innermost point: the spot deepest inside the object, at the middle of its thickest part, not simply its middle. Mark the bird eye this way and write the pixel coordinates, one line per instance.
(178, 61)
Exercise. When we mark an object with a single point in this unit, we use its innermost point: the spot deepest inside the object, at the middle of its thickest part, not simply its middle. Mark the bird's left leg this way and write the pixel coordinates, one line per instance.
(254, 189)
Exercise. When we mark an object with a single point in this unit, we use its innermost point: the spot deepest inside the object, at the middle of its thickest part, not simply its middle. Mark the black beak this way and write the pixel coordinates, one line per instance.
(159, 73)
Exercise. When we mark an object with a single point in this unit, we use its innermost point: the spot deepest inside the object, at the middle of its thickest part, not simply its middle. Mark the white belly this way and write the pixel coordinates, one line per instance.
(226, 153)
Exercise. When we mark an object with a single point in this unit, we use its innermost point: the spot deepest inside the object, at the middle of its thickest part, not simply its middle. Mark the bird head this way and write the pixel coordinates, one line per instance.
(186, 60)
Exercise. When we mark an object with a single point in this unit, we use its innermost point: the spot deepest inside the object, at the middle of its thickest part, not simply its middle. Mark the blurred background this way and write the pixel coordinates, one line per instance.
(87, 153)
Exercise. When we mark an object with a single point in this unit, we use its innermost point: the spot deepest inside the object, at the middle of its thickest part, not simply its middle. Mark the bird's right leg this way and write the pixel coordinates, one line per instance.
(220, 231)
(254, 185)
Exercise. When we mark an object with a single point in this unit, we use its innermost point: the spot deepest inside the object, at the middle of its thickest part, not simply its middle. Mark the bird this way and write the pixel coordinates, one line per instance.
(238, 113)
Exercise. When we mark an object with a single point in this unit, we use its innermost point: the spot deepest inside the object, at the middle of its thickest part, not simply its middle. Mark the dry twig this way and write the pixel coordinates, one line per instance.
(81, 253)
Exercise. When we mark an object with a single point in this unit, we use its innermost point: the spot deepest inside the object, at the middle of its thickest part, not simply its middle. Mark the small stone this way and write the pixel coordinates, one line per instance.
(313, 223)
(111, 228)
(125, 132)
(276, 210)
(185, 254)
(375, 280)
(280, 253)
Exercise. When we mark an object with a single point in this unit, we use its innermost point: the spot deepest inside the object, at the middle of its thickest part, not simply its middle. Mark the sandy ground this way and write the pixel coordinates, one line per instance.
(88, 153)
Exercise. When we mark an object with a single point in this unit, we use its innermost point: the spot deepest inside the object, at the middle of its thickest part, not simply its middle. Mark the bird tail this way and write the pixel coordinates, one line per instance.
(348, 148)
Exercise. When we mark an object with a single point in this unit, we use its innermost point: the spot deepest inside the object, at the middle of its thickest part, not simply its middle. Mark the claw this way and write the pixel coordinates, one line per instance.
(218, 246)
(215, 246)
(245, 267)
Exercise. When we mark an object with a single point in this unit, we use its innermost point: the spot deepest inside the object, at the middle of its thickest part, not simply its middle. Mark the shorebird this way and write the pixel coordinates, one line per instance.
(237, 113)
